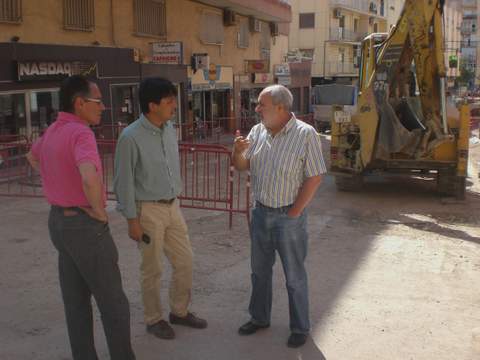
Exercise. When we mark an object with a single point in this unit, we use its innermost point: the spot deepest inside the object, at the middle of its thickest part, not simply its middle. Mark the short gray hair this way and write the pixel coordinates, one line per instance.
(280, 95)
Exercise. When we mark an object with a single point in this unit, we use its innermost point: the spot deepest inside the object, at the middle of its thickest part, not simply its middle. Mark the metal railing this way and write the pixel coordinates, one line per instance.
(342, 34)
(361, 5)
(341, 68)
(209, 180)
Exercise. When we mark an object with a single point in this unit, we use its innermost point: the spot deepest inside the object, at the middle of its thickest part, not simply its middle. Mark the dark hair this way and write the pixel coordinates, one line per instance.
(71, 88)
(154, 89)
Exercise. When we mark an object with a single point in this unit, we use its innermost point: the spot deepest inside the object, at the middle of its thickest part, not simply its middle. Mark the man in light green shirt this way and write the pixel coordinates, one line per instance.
(147, 182)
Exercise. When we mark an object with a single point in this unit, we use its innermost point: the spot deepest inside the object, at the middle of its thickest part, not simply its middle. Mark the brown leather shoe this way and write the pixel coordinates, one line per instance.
(162, 330)
(189, 320)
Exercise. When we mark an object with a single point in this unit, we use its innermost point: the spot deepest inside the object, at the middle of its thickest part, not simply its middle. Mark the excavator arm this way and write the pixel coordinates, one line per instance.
(385, 75)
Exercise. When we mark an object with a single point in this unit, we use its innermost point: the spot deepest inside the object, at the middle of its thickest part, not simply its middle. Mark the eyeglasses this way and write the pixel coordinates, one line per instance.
(98, 101)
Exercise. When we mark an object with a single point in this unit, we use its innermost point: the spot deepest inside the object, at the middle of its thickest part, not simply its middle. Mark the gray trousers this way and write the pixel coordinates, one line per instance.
(87, 265)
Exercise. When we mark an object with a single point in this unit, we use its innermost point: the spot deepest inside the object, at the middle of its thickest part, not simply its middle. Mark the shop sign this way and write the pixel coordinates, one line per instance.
(167, 52)
(301, 72)
(257, 66)
(54, 70)
(265, 78)
(284, 80)
(282, 70)
(216, 77)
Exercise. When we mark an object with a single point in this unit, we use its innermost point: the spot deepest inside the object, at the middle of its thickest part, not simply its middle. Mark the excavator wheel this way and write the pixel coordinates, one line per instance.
(349, 183)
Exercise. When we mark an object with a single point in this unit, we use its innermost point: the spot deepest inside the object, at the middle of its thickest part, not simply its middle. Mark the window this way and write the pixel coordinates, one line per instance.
(79, 14)
(355, 25)
(307, 53)
(307, 20)
(243, 34)
(11, 11)
(150, 17)
(265, 42)
(211, 31)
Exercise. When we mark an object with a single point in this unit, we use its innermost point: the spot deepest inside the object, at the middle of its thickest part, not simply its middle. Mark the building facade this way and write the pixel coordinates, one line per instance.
(452, 14)
(394, 10)
(201, 46)
(330, 33)
(469, 40)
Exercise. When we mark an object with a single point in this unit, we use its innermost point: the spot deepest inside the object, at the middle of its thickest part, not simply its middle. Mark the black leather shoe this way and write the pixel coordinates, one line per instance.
(296, 340)
(189, 320)
(250, 328)
(162, 330)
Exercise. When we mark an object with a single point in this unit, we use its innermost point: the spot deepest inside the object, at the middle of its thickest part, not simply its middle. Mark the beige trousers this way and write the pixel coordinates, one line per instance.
(168, 232)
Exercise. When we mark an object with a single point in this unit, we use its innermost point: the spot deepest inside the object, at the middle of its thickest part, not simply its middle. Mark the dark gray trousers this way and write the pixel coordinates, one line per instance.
(87, 265)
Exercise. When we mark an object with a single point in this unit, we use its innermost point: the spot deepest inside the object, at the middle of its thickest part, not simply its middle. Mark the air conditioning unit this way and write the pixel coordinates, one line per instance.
(255, 25)
(274, 28)
(373, 7)
(337, 13)
(229, 17)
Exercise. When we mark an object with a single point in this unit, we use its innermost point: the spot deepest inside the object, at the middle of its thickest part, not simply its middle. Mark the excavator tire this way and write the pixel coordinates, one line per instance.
(349, 183)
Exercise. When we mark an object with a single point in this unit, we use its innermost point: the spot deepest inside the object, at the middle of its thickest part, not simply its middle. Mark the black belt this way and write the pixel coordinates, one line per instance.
(67, 209)
(279, 209)
(162, 201)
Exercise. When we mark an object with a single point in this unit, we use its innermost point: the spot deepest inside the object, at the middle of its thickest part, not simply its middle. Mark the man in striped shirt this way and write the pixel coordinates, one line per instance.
(284, 156)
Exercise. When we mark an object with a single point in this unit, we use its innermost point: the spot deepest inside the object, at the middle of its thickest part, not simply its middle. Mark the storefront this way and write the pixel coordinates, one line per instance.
(30, 77)
(211, 99)
(247, 90)
(297, 77)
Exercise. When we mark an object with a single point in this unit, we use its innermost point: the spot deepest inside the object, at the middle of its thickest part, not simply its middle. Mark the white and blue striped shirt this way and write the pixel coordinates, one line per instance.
(279, 164)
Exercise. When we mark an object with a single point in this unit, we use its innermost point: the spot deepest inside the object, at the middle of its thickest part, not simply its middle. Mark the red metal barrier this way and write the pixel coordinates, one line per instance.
(308, 118)
(474, 122)
(108, 132)
(17, 178)
(209, 180)
(106, 149)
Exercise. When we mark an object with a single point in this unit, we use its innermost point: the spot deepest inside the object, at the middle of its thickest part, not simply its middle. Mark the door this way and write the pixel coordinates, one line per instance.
(125, 103)
(13, 119)
(44, 106)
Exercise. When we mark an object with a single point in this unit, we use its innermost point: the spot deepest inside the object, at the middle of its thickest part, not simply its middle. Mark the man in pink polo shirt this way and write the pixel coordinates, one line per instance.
(70, 168)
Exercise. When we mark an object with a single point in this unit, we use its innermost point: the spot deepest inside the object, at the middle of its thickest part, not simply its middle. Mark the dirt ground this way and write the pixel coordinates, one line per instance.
(393, 274)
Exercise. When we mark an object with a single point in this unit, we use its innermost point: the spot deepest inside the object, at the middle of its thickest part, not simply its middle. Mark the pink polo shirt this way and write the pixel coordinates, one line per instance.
(66, 144)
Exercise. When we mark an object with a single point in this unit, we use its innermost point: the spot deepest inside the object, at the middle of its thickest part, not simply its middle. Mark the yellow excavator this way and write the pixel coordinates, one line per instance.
(401, 125)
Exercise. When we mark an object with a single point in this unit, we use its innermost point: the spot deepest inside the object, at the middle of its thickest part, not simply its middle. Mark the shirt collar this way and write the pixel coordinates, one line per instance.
(288, 126)
(69, 117)
(148, 125)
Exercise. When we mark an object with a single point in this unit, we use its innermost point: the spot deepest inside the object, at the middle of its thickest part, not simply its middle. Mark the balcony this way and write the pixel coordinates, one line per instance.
(336, 68)
(367, 7)
(266, 10)
(343, 35)
(468, 29)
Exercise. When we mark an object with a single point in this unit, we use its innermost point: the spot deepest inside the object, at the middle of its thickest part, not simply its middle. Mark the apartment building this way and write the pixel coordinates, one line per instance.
(452, 16)
(330, 32)
(213, 50)
(394, 10)
(469, 38)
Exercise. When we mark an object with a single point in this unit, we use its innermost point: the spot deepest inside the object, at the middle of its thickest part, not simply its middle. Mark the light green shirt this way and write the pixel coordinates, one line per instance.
(147, 165)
